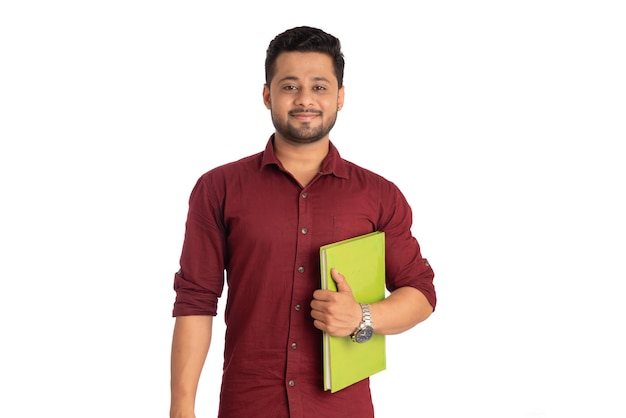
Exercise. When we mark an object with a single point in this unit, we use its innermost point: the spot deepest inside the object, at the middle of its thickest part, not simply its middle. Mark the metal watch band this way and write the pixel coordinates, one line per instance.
(367, 314)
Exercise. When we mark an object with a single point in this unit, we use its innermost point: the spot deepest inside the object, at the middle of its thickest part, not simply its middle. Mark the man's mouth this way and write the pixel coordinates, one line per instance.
(304, 115)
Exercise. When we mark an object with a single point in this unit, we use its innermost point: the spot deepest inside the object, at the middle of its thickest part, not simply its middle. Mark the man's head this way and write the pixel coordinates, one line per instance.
(304, 39)
(304, 91)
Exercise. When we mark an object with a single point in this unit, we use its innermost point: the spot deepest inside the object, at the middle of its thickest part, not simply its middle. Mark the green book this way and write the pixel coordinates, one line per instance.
(361, 260)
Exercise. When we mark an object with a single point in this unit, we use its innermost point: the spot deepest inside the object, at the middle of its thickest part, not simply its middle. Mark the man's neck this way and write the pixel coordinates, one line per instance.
(303, 161)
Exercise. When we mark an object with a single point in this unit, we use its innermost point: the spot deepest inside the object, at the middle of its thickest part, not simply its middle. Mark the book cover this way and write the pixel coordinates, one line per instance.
(362, 262)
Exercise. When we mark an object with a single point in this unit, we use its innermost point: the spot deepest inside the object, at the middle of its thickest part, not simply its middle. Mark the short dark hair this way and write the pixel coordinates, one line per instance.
(304, 39)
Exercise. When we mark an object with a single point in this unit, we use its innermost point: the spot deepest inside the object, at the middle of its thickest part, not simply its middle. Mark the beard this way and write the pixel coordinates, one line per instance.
(304, 133)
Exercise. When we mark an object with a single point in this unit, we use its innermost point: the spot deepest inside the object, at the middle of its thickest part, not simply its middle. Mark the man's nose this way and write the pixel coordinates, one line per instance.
(305, 98)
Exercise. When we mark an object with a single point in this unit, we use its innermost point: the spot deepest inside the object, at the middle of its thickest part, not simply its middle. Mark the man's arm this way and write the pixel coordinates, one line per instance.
(190, 345)
(400, 311)
(338, 313)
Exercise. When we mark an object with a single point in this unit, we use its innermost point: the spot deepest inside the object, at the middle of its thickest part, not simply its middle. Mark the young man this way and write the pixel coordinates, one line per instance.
(262, 219)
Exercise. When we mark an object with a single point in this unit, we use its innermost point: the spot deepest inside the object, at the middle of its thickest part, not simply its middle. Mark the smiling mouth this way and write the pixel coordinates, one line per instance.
(304, 115)
(304, 112)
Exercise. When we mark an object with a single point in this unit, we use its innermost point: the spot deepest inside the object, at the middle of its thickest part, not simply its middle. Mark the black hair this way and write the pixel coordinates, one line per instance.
(304, 39)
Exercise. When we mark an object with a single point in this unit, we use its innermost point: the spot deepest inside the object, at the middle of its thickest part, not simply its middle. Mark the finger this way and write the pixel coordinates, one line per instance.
(342, 284)
(323, 295)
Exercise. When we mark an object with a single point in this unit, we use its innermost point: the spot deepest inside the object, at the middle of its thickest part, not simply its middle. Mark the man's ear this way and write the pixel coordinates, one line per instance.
(340, 98)
(266, 96)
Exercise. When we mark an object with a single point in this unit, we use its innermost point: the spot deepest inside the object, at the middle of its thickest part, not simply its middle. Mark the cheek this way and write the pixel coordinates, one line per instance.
(277, 103)
(331, 102)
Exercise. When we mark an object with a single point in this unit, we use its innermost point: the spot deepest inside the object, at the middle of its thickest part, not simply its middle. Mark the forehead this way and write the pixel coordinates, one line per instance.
(303, 65)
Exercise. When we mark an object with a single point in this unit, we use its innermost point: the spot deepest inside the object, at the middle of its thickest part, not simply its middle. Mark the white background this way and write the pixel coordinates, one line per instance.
(502, 122)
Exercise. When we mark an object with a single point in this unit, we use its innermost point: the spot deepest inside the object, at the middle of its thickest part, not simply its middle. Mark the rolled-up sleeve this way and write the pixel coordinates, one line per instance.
(405, 264)
(200, 281)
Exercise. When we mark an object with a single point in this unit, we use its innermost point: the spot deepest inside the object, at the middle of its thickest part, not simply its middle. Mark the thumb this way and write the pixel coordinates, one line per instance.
(342, 283)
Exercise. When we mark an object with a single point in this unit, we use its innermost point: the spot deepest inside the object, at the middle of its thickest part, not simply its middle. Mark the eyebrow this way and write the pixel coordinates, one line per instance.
(294, 78)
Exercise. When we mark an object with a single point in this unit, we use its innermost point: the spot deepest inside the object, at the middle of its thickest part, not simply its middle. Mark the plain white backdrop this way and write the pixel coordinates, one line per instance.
(502, 122)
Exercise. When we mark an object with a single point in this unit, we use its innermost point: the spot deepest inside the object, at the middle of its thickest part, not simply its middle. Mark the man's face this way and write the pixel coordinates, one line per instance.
(303, 96)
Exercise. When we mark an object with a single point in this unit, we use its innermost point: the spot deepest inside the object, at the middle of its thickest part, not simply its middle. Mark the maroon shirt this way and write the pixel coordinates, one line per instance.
(252, 219)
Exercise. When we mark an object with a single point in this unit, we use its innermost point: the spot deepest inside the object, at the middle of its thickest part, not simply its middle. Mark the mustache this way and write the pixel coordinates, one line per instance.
(303, 110)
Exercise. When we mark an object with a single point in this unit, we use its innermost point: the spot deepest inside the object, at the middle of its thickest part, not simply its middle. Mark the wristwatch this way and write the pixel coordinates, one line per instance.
(365, 331)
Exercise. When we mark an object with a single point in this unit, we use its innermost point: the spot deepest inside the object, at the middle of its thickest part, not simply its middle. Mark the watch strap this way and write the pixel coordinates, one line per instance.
(366, 318)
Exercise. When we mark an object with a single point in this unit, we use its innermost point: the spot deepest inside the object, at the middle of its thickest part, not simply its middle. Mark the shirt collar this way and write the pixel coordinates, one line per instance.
(332, 164)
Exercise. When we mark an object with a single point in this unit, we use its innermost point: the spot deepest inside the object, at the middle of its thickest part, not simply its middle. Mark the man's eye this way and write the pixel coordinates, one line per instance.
(290, 87)
(319, 88)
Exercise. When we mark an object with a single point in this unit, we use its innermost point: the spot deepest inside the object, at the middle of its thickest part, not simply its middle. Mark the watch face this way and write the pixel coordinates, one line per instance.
(364, 334)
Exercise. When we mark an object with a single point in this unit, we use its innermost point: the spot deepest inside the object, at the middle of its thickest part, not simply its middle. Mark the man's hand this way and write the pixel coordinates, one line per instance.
(336, 313)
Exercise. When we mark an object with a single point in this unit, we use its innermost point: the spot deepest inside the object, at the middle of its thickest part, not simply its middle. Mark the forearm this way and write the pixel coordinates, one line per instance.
(190, 345)
(401, 310)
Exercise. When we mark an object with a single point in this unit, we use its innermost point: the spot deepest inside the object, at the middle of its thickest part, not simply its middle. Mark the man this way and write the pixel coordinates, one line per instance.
(262, 220)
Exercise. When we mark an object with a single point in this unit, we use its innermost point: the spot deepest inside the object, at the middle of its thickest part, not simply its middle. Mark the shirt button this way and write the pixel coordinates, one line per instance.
(300, 269)
(298, 307)
(294, 346)
(304, 195)
(304, 230)
(292, 383)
